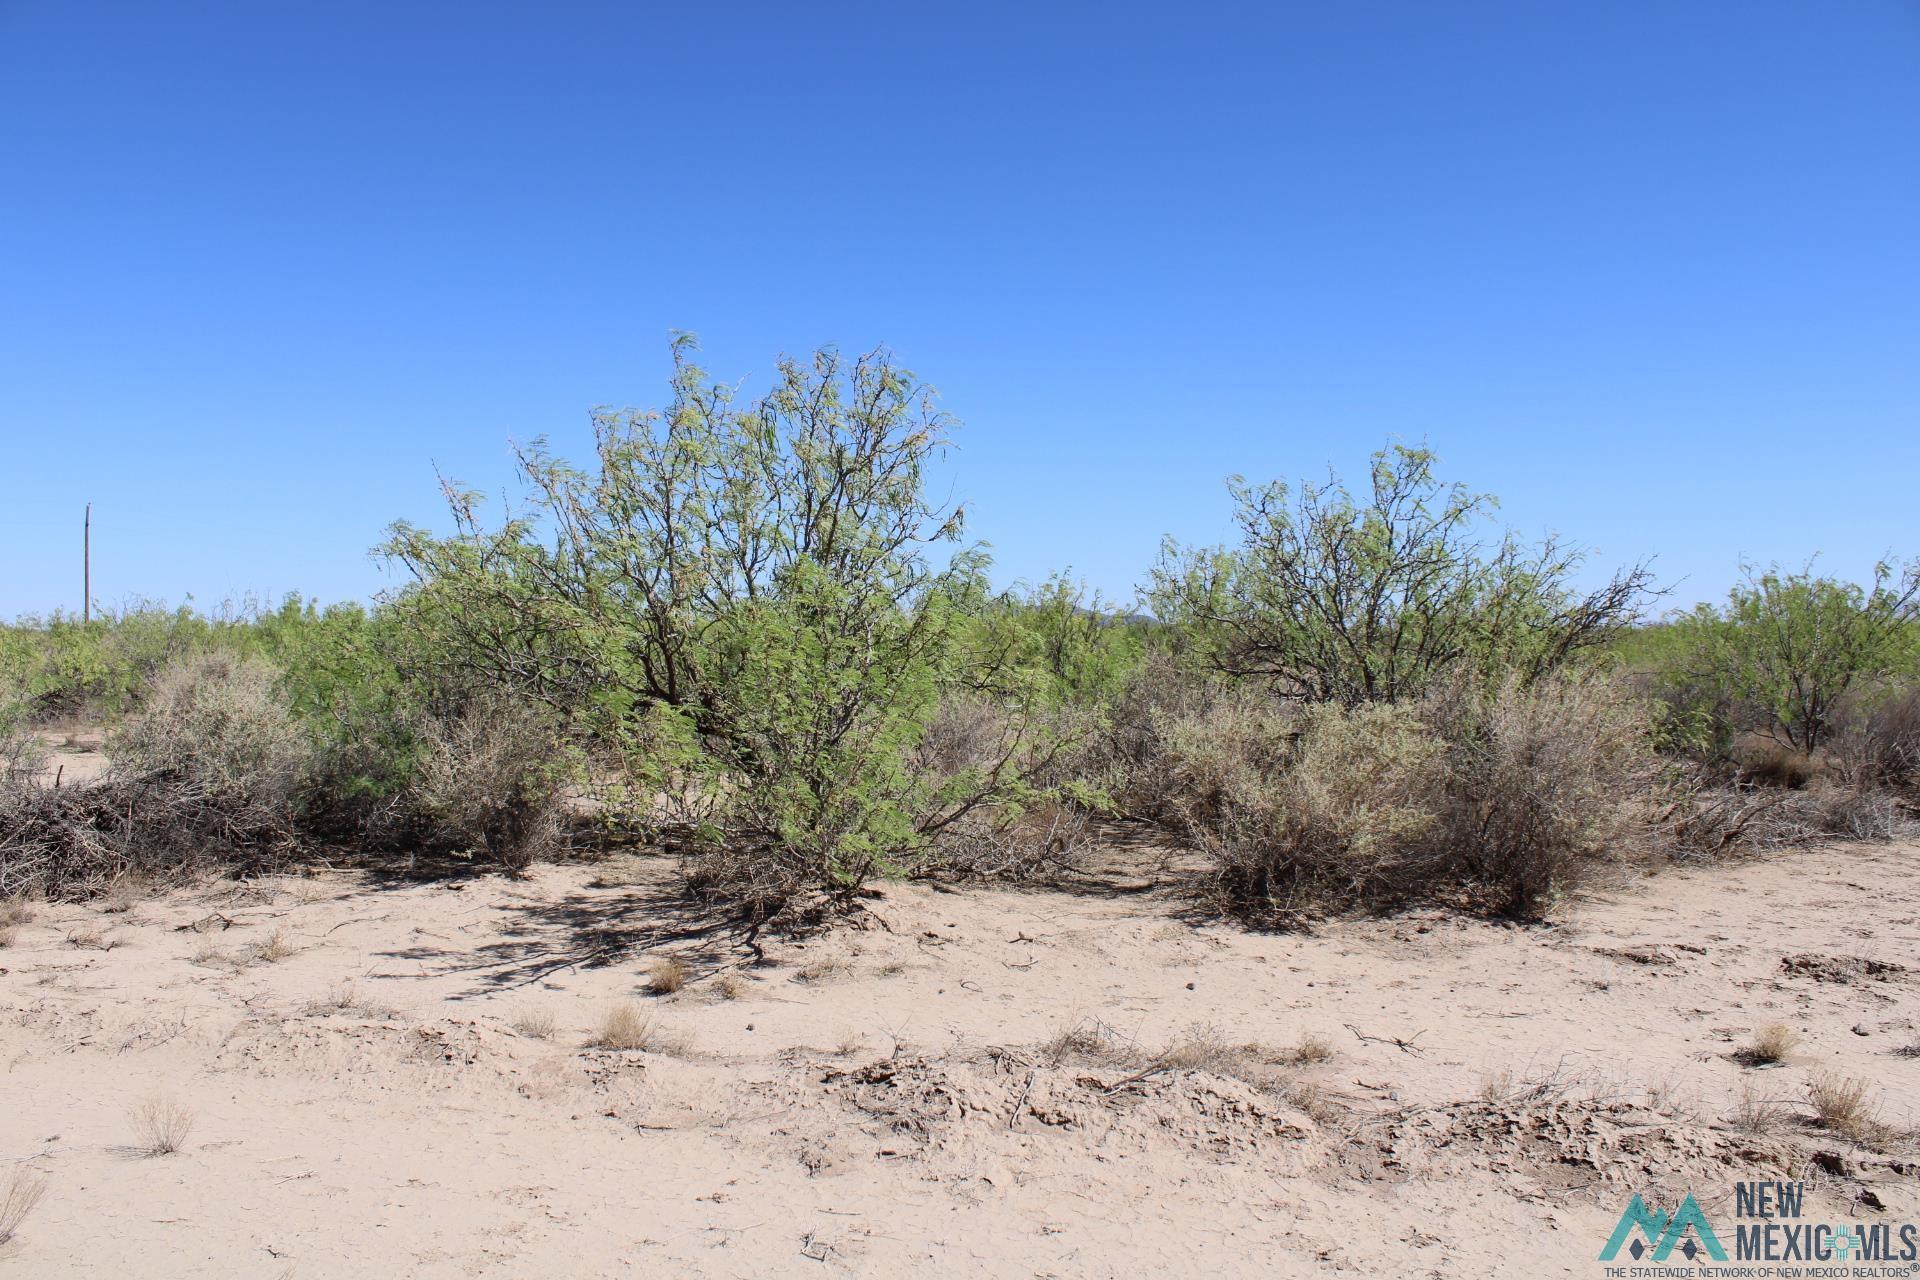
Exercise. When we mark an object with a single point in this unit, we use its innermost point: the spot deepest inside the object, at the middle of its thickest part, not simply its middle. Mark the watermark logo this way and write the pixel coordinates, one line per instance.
(1769, 1227)
(1642, 1229)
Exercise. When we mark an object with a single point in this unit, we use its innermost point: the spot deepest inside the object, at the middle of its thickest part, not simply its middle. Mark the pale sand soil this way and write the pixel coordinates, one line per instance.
(888, 1113)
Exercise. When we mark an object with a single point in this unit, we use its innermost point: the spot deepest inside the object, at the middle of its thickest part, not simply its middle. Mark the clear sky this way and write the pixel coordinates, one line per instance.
(1647, 269)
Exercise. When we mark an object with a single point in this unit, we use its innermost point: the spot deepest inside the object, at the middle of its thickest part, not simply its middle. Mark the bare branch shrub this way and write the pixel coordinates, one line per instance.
(1757, 1115)
(1025, 845)
(490, 780)
(1876, 742)
(207, 776)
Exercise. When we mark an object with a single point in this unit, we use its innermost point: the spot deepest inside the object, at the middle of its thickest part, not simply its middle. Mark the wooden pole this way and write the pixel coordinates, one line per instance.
(86, 566)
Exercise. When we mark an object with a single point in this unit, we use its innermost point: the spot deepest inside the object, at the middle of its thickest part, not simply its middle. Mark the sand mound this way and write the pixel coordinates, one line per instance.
(945, 1107)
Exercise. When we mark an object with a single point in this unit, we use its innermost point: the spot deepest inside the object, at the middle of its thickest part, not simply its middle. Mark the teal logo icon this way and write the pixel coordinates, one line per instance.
(1643, 1230)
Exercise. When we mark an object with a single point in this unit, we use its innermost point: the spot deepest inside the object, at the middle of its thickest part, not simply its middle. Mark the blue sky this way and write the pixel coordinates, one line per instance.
(1648, 271)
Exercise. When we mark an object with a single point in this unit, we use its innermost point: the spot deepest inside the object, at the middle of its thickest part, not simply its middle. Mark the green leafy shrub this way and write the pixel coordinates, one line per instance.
(1334, 599)
(22, 754)
(1788, 652)
(758, 590)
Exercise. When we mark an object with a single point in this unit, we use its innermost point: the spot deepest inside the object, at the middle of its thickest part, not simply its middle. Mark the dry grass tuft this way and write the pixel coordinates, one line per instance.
(345, 997)
(624, 1027)
(1908, 1050)
(1502, 1086)
(91, 940)
(823, 968)
(24, 1189)
(305, 890)
(7, 935)
(1755, 1115)
(1083, 1040)
(532, 1022)
(1840, 1105)
(122, 899)
(275, 947)
(1311, 1098)
(665, 976)
(212, 957)
(162, 1125)
(15, 910)
(1771, 1044)
(1206, 1048)
(1311, 1051)
(732, 986)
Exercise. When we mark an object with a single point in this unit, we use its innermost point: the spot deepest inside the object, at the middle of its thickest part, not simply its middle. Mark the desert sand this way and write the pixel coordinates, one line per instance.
(898, 1098)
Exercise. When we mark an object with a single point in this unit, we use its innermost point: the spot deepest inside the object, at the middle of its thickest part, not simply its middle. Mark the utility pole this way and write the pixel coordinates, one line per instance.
(86, 566)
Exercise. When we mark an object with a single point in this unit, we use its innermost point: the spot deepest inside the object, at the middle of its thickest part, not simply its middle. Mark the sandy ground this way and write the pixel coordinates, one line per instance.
(877, 1101)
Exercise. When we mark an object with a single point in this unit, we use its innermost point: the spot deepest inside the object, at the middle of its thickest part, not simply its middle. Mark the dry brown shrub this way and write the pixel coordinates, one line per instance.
(1546, 780)
(1205, 1047)
(1314, 1099)
(1304, 809)
(1715, 821)
(1133, 758)
(206, 777)
(1083, 1040)
(1024, 845)
(491, 781)
(822, 968)
(345, 997)
(214, 724)
(1876, 741)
